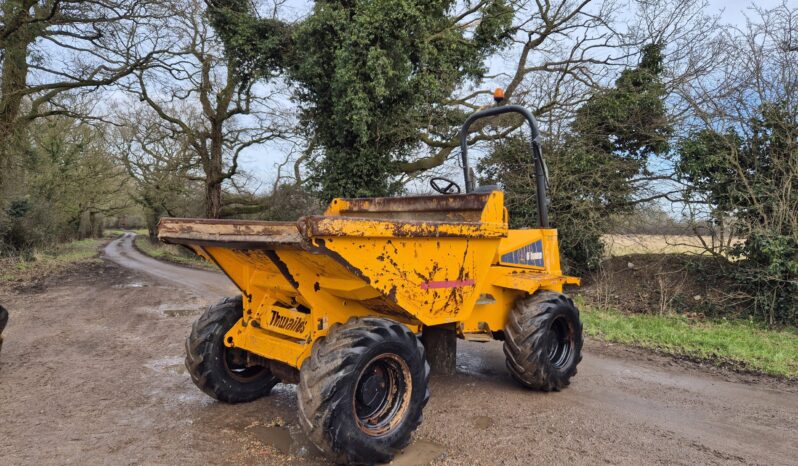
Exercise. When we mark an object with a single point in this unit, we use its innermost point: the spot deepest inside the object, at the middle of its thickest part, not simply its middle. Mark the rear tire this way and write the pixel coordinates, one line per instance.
(362, 391)
(543, 341)
(218, 370)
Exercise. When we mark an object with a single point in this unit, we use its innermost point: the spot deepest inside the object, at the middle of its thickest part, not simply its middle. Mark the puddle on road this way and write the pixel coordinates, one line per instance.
(483, 422)
(280, 438)
(170, 365)
(178, 369)
(180, 312)
(420, 452)
(194, 398)
(130, 285)
(277, 437)
(176, 310)
(481, 359)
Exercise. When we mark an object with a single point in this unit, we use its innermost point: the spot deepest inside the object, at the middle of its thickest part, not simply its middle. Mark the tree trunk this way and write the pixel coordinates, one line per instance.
(152, 217)
(95, 225)
(14, 82)
(213, 199)
(213, 173)
(213, 182)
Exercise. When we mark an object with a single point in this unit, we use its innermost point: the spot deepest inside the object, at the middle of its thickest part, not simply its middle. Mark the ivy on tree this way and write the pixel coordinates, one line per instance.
(368, 74)
(257, 47)
(749, 173)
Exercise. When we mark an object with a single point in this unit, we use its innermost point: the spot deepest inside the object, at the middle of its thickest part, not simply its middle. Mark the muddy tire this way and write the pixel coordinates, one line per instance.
(3, 322)
(217, 370)
(543, 341)
(362, 390)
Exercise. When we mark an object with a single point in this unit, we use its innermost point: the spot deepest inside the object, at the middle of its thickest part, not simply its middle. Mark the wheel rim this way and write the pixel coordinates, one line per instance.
(382, 394)
(235, 363)
(560, 343)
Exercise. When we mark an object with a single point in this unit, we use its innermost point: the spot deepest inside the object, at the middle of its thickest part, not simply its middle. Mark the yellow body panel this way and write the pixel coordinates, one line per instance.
(421, 261)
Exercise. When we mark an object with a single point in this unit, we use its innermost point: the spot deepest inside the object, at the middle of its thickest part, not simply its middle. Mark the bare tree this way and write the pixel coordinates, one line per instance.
(739, 161)
(565, 50)
(756, 87)
(50, 48)
(195, 91)
(163, 169)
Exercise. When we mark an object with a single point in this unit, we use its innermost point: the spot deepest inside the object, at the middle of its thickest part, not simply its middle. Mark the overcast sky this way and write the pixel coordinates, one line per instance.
(734, 10)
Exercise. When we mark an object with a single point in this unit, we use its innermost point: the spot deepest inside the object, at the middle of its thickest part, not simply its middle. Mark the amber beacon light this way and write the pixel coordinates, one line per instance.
(498, 95)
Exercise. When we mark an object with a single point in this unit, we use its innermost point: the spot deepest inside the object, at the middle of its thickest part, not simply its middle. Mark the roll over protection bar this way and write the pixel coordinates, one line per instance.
(537, 155)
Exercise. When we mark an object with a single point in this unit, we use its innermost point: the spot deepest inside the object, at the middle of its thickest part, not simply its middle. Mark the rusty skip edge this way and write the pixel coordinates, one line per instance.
(431, 203)
(234, 234)
(321, 226)
(249, 234)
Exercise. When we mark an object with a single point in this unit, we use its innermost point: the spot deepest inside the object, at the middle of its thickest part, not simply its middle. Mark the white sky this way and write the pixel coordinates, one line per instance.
(260, 162)
(734, 10)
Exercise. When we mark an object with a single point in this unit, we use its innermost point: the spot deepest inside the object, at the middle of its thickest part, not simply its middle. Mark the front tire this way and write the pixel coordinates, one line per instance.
(363, 389)
(543, 341)
(221, 372)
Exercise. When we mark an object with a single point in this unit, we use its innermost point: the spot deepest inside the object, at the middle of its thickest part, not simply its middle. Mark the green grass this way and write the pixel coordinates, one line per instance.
(170, 253)
(741, 343)
(43, 262)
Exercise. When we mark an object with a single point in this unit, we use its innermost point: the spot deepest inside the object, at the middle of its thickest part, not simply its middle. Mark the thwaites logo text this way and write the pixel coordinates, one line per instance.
(531, 254)
(292, 324)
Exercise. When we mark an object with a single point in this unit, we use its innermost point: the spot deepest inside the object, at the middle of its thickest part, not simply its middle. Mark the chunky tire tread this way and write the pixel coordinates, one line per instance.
(327, 378)
(203, 356)
(525, 333)
(3, 318)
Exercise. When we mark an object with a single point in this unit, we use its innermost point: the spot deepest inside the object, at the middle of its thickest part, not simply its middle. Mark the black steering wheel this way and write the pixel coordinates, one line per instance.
(444, 185)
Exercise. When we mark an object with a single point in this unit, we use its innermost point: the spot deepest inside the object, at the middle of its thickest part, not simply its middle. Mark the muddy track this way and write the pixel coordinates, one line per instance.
(92, 372)
(205, 283)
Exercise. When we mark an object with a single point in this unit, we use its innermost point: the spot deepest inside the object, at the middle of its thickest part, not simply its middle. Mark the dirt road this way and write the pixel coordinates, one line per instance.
(204, 283)
(92, 372)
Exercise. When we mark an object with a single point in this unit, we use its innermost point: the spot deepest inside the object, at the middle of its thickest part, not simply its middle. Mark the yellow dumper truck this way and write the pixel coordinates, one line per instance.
(339, 304)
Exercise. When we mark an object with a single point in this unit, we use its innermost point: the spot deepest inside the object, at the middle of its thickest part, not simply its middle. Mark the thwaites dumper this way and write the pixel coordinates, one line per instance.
(335, 303)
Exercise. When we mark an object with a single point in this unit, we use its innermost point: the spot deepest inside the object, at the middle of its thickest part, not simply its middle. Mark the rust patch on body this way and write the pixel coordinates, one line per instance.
(461, 207)
(282, 268)
(315, 226)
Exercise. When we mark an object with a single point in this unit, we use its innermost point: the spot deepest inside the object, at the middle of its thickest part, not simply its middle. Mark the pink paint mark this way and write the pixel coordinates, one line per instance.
(431, 285)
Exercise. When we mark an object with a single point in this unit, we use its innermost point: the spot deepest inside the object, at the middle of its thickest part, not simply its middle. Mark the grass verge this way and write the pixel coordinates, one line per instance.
(38, 264)
(170, 253)
(738, 343)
